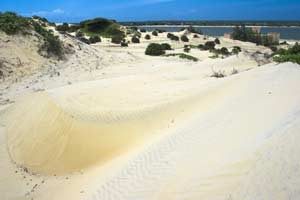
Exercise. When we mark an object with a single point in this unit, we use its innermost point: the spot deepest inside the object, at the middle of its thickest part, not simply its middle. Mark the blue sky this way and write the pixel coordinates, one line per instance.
(137, 10)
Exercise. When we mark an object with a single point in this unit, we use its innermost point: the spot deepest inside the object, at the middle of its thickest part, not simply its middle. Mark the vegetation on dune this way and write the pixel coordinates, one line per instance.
(124, 44)
(187, 48)
(184, 38)
(209, 45)
(217, 41)
(155, 49)
(245, 34)
(236, 50)
(135, 39)
(155, 33)
(94, 39)
(191, 29)
(166, 46)
(288, 55)
(12, 24)
(143, 30)
(148, 37)
(183, 56)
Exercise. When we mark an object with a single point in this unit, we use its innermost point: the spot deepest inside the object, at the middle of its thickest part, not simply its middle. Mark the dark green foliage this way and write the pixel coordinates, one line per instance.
(94, 39)
(219, 74)
(290, 55)
(79, 34)
(245, 34)
(11, 23)
(135, 39)
(184, 38)
(103, 27)
(63, 28)
(124, 44)
(183, 56)
(209, 45)
(191, 29)
(166, 46)
(52, 45)
(147, 37)
(196, 36)
(84, 40)
(171, 36)
(143, 30)
(73, 28)
(154, 49)
(42, 19)
(155, 33)
(117, 39)
(284, 43)
(274, 48)
(236, 50)
(217, 41)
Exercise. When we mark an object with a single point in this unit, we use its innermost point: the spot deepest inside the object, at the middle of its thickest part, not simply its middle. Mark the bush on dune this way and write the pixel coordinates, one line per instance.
(290, 55)
(154, 49)
(135, 39)
(11, 23)
(148, 37)
(184, 38)
(217, 41)
(236, 50)
(155, 33)
(166, 46)
(94, 39)
(62, 28)
(183, 56)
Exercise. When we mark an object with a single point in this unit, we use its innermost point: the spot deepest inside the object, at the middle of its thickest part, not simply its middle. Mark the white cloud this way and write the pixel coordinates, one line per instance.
(44, 13)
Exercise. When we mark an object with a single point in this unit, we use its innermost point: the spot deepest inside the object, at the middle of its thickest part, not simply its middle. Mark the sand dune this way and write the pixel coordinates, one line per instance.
(231, 138)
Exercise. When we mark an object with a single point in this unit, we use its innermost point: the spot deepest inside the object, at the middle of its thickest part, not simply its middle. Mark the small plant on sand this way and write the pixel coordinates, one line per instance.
(217, 41)
(148, 37)
(187, 48)
(154, 49)
(143, 30)
(196, 36)
(184, 38)
(218, 74)
(288, 55)
(95, 39)
(183, 56)
(155, 33)
(62, 28)
(124, 44)
(117, 39)
(209, 45)
(236, 50)
(135, 39)
(79, 34)
(166, 46)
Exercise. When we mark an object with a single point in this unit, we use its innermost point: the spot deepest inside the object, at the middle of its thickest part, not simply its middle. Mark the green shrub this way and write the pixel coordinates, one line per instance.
(143, 30)
(187, 48)
(94, 39)
(154, 49)
(155, 33)
(209, 45)
(148, 37)
(62, 28)
(236, 50)
(117, 39)
(135, 39)
(166, 46)
(11, 23)
(124, 44)
(160, 30)
(196, 36)
(191, 29)
(79, 34)
(290, 55)
(184, 38)
(217, 41)
(183, 56)
(219, 74)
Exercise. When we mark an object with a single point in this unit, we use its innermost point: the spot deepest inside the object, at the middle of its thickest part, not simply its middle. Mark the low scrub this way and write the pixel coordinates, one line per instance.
(166, 46)
(184, 38)
(217, 41)
(209, 45)
(11, 23)
(148, 37)
(155, 33)
(289, 55)
(155, 49)
(236, 50)
(94, 39)
(183, 56)
(218, 74)
(135, 39)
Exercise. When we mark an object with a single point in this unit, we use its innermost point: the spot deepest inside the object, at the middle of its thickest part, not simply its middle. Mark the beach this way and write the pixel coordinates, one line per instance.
(111, 123)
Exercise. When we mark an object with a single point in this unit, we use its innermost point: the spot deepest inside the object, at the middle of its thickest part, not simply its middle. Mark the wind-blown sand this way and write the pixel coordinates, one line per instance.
(154, 128)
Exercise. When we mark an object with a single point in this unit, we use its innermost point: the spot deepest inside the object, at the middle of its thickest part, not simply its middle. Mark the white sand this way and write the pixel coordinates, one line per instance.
(119, 125)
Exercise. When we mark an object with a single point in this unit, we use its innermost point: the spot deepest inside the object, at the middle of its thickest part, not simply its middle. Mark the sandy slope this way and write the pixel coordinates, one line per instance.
(131, 137)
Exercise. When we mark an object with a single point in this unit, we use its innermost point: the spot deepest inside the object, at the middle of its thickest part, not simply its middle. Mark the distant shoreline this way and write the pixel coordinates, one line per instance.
(210, 26)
